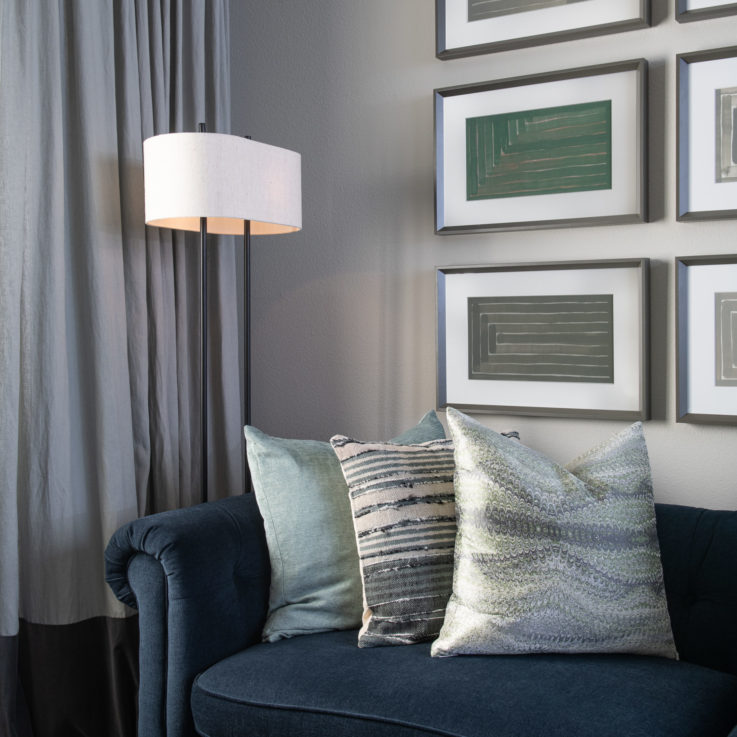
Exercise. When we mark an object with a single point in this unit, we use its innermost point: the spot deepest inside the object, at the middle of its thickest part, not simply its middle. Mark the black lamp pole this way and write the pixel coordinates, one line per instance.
(203, 347)
(246, 342)
(246, 339)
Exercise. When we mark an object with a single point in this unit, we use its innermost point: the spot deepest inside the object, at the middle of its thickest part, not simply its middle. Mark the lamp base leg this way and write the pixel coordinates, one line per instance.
(246, 344)
(203, 354)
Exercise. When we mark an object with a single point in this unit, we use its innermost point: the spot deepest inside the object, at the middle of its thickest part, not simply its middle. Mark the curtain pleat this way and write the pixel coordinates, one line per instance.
(99, 334)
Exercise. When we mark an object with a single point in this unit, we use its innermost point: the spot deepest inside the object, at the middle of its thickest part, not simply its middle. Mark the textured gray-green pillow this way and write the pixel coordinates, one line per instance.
(554, 559)
(404, 517)
(303, 498)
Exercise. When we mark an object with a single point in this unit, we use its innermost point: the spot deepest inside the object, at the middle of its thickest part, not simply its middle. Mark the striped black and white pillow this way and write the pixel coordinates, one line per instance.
(404, 517)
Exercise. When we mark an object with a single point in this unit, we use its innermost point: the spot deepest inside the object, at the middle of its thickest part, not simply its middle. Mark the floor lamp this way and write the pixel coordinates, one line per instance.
(221, 184)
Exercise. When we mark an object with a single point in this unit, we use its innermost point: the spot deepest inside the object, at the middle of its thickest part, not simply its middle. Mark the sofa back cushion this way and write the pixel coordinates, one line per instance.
(699, 553)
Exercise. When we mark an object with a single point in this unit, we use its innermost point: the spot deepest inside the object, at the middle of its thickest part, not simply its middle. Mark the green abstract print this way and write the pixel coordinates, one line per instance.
(546, 151)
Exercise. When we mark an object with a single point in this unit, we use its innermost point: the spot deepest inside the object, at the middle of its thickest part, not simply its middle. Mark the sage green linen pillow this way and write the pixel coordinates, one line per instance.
(551, 558)
(303, 499)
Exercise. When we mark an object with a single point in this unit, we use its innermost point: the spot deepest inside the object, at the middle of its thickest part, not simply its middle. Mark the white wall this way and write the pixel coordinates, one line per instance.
(343, 333)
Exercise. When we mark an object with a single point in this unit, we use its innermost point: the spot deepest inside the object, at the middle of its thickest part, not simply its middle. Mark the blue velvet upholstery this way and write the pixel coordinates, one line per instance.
(199, 578)
(698, 548)
(325, 685)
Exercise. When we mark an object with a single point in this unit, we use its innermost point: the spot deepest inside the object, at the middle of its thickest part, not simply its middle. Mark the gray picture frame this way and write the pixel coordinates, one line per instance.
(530, 36)
(687, 179)
(684, 15)
(688, 410)
(583, 84)
(452, 281)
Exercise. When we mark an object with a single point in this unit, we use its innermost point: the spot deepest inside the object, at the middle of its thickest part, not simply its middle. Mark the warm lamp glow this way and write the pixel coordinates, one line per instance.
(224, 178)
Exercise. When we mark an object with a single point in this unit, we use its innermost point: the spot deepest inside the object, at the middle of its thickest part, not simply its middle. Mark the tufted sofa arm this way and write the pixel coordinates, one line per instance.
(199, 578)
(698, 548)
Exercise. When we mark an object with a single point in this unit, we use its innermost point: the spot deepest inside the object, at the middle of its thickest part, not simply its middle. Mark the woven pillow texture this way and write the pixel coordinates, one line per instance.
(403, 509)
(551, 558)
(303, 499)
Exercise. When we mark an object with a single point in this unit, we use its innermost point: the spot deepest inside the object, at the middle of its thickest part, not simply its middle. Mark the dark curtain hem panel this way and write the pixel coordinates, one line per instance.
(79, 680)
(14, 721)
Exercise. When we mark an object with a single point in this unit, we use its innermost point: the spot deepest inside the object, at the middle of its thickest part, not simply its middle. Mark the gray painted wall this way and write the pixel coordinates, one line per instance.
(343, 333)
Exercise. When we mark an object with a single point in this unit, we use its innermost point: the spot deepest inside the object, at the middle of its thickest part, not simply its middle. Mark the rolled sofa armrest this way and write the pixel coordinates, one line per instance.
(199, 578)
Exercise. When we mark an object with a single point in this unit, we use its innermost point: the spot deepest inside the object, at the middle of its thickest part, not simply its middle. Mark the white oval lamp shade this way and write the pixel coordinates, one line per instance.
(227, 179)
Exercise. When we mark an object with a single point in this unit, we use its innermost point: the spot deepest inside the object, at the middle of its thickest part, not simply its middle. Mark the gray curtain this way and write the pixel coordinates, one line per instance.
(99, 315)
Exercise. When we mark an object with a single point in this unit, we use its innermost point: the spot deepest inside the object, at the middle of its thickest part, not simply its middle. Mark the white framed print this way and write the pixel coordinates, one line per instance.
(470, 27)
(559, 339)
(688, 10)
(707, 135)
(706, 339)
(551, 150)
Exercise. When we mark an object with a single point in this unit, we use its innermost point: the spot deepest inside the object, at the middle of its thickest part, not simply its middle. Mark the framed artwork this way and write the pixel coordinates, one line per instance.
(549, 150)
(707, 135)
(565, 339)
(688, 10)
(469, 27)
(706, 339)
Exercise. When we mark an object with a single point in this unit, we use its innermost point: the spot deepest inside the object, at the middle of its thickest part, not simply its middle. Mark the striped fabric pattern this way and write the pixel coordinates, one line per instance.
(551, 558)
(404, 519)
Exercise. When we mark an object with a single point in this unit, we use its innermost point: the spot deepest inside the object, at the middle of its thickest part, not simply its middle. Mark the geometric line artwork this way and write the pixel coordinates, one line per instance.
(480, 9)
(545, 151)
(726, 338)
(542, 338)
(726, 135)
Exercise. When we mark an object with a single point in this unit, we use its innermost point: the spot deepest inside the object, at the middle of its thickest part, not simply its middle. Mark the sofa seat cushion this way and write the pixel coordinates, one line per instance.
(324, 684)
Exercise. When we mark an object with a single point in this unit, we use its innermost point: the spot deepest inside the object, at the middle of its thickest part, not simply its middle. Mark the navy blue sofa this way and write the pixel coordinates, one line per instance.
(199, 578)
